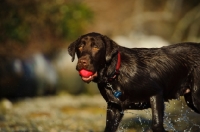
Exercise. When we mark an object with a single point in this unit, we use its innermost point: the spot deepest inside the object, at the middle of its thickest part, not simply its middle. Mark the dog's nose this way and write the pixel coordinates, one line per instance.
(83, 62)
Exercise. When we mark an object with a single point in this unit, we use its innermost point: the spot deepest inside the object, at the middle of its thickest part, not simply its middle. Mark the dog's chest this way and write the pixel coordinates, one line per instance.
(114, 94)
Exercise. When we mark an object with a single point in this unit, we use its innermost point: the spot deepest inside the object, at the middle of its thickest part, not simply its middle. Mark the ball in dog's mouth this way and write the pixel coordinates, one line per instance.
(87, 76)
(85, 73)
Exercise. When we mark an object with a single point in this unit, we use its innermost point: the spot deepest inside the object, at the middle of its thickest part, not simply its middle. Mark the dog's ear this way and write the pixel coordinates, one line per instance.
(72, 49)
(111, 48)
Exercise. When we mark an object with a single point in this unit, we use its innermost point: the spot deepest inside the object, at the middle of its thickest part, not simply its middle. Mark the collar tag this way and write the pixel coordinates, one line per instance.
(116, 93)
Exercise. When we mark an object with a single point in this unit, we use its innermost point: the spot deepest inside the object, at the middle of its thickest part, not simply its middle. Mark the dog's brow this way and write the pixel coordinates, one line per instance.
(85, 38)
(92, 39)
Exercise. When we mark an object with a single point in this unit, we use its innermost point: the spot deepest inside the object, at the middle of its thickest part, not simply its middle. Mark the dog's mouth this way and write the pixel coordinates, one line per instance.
(87, 76)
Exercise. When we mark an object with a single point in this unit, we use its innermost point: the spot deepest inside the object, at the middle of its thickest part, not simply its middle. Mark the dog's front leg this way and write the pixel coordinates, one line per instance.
(157, 106)
(114, 116)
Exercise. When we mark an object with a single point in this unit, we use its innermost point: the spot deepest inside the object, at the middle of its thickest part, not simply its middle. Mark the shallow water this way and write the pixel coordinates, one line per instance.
(88, 114)
(178, 118)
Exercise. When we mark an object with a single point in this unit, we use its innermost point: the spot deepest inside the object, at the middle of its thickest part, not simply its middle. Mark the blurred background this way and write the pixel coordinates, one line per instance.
(34, 36)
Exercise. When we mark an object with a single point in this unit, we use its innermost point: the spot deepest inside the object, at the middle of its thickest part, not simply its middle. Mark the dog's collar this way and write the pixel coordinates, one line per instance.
(108, 79)
(116, 72)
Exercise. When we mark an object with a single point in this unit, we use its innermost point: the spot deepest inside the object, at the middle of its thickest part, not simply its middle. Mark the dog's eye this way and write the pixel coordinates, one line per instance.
(95, 47)
(80, 47)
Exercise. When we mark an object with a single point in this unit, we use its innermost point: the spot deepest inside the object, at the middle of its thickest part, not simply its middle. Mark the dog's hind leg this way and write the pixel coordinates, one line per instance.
(192, 98)
(189, 102)
(196, 97)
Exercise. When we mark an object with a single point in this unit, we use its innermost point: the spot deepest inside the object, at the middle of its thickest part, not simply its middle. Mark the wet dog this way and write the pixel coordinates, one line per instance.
(138, 78)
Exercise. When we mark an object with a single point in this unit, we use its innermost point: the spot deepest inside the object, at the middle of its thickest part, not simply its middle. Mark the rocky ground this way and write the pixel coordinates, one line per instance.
(53, 114)
(68, 113)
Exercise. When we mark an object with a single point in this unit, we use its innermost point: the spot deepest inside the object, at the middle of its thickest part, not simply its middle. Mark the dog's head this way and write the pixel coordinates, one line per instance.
(93, 51)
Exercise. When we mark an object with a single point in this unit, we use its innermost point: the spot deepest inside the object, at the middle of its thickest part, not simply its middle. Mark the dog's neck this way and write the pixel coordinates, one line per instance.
(115, 72)
(110, 72)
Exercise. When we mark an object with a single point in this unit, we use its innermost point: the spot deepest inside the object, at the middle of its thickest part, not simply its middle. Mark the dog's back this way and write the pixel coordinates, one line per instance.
(176, 68)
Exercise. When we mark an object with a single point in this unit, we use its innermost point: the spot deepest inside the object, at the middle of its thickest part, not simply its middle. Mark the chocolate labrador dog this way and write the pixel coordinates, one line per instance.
(138, 78)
